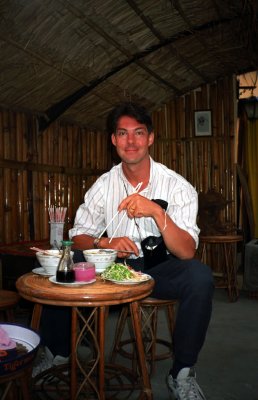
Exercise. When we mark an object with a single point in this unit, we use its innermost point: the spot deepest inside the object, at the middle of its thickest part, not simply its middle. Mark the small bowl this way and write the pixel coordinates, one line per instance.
(84, 271)
(50, 261)
(102, 258)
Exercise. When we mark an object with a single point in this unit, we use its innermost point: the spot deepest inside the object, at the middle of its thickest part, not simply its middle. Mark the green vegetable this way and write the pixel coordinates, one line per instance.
(118, 272)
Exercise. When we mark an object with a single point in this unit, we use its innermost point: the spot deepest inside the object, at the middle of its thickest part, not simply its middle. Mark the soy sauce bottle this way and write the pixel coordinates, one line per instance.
(65, 272)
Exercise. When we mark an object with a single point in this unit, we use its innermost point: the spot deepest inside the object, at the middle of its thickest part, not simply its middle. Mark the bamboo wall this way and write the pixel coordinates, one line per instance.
(207, 162)
(39, 170)
(59, 165)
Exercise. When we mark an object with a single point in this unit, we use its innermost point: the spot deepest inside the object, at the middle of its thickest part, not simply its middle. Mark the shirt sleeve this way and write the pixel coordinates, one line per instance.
(183, 211)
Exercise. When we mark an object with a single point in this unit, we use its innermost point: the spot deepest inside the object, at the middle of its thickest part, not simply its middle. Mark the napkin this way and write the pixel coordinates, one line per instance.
(5, 341)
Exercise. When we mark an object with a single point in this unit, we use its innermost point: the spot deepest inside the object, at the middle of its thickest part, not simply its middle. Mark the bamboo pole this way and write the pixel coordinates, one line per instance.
(2, 227)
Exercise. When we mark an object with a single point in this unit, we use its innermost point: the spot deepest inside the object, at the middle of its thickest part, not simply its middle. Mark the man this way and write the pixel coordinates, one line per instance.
(130, 188)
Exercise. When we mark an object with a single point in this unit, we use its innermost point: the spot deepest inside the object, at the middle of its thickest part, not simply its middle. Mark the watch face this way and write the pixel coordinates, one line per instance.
(96, 243)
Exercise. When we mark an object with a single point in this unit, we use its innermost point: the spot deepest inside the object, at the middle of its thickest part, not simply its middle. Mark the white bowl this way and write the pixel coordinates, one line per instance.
(25, 337)
(49, 261)
(102, 258)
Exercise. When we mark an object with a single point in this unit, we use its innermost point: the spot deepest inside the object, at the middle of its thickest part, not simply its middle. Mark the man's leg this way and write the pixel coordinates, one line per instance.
(55, 329)
(190, 282)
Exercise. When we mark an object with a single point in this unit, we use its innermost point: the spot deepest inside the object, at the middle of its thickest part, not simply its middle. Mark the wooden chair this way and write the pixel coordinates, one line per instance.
(150, 308)
(13, 384)
(8, 302)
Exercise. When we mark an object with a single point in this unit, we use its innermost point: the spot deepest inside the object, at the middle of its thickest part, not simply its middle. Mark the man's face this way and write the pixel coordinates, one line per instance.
(132, 140)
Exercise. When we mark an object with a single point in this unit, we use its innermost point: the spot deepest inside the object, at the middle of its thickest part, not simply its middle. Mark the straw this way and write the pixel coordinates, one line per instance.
(57, 214)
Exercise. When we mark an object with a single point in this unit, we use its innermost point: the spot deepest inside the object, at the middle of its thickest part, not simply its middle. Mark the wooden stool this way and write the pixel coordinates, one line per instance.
(225, 248)
(8, 300)
(15, 383)
(149, 319)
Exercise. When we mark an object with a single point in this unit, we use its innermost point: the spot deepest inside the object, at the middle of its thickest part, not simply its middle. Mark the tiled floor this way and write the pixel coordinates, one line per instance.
(228, 364)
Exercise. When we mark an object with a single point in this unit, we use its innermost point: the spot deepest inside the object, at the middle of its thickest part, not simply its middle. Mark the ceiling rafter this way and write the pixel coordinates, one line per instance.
(156, 33)
(72, 62)
(179, 9)
(55, 111)
(117, 45)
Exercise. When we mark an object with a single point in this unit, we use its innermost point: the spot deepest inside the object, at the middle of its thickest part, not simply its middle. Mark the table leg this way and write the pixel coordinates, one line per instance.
(73, 353)
(135, 315)
(231, 271)
(36, 315)
(101, 334)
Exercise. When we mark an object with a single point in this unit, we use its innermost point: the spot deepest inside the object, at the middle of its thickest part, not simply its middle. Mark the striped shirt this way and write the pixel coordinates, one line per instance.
(101, 202)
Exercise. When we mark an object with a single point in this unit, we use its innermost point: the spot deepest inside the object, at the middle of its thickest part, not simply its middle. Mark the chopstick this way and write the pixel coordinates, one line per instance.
(102, 233)
(44, 252)
(136, 190)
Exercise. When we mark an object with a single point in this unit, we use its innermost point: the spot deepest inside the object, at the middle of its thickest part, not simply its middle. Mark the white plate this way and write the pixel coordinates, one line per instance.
(41, 271)
(144, 278)
(77, 283)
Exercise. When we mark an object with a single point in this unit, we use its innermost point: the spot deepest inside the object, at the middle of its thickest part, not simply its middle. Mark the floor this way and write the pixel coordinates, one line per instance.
(228, 364)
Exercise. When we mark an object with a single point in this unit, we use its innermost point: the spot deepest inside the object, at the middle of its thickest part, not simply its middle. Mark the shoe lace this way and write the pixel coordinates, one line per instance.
(188, 389)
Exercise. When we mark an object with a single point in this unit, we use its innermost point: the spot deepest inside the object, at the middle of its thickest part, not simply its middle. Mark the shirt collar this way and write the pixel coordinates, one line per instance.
(128, 184)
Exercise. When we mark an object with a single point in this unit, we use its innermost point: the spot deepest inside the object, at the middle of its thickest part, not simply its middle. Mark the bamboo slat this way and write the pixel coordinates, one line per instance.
(2, 194)
(7, 220)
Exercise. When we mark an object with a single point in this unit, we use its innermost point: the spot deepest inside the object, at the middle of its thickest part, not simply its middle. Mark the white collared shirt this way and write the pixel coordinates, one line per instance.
(101, 202)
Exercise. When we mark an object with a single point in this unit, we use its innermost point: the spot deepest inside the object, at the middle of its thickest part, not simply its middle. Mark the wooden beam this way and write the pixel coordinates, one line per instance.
(28, 166)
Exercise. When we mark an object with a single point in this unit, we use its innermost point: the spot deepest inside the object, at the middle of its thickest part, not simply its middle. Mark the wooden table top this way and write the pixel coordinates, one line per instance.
(39, 289)
(22, 249)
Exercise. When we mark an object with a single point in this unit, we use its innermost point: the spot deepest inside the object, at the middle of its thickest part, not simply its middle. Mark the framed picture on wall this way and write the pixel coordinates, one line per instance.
(202, 123)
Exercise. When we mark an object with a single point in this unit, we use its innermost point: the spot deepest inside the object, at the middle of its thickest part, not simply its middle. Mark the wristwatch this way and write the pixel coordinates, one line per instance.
(96, 243)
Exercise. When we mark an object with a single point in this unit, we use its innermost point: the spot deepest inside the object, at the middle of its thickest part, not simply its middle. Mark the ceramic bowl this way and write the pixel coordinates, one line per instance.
(102, 258)
(12, 361)
(49, 261)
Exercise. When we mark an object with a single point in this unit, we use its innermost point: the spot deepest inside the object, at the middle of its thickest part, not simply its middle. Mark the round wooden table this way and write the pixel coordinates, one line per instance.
(98, 295)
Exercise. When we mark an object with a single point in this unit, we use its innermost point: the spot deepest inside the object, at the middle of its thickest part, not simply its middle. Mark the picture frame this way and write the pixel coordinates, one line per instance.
(202, 123)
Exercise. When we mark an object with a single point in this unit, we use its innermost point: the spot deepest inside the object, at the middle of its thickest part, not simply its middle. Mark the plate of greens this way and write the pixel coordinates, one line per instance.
(124, 275)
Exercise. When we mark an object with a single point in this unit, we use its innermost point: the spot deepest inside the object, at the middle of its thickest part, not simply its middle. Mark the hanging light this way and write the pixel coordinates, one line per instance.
(251, 107)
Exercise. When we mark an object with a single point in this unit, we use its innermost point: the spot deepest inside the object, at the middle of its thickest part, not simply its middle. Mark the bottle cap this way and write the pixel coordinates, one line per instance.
(67, 242)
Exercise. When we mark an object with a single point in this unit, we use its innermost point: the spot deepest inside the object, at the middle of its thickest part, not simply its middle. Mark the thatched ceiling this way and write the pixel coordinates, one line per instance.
(90, 54)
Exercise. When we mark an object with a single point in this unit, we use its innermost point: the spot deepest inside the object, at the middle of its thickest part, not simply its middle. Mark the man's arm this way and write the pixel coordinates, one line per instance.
(84, 242)
(178, 241)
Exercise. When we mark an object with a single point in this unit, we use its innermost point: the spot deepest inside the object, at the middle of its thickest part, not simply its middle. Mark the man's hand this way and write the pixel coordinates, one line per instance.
(120, 244)
(139, 206)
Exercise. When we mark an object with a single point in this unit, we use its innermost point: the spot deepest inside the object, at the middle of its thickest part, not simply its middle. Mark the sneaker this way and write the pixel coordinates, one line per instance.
(185, 387)
(46, 360)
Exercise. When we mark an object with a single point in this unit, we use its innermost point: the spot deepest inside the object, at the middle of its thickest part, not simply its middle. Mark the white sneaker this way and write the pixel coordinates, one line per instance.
(46, 360)
(185, 387)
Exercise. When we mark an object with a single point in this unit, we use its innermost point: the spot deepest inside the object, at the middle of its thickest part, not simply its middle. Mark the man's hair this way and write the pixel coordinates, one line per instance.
(130, 110)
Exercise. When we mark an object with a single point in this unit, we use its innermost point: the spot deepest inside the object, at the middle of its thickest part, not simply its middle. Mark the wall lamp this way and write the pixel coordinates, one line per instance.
(250, 105)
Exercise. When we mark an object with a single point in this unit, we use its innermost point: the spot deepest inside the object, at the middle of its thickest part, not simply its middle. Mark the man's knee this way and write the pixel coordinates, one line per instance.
(199, 277)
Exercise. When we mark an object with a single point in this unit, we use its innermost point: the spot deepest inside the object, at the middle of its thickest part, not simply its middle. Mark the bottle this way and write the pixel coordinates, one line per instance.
(65, 272)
